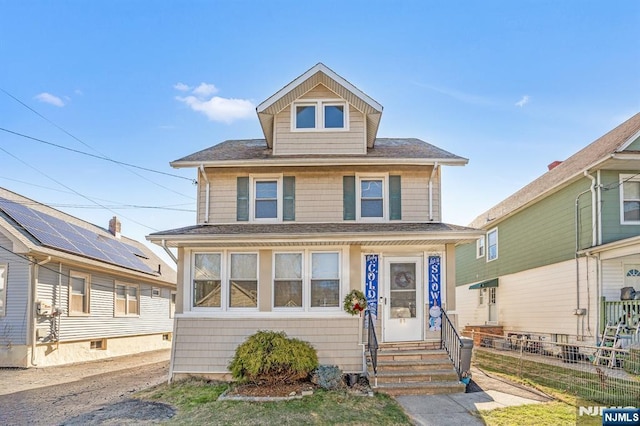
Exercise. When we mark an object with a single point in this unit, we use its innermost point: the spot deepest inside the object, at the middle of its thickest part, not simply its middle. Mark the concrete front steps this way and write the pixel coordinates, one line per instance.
(414, 369)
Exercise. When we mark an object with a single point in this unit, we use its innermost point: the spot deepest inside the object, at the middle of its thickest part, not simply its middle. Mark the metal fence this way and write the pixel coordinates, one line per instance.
(570, 367)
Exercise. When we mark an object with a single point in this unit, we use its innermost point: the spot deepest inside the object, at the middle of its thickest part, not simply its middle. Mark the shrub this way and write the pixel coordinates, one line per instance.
(272, 357)
(328, 377)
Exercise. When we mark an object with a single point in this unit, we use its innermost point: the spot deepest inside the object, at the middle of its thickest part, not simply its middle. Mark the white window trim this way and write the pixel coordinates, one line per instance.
(320, 104)
(188, 300)
(480, 244)
(126, 286)
(482, 296)
(227, 300)
(86, 310)
(341, 294)
(3, 289)
(487, 247)
(626, 178)
(273, 282)
(252, 197)
(385, 197)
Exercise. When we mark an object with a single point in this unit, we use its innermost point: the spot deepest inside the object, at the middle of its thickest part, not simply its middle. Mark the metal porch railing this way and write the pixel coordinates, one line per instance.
(372, 342)
(452, 343)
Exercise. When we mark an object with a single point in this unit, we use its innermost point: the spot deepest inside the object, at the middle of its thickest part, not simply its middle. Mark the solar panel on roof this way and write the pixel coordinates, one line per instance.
(56, 233)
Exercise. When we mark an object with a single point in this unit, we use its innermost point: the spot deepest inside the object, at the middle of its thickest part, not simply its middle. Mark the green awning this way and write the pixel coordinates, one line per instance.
(485, 284)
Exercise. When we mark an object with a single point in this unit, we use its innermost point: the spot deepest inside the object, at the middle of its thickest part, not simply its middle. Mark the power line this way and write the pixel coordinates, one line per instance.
(74, 191)
(100, 157)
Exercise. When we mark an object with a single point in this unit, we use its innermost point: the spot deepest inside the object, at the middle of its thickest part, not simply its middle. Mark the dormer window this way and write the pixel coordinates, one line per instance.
(319, 115)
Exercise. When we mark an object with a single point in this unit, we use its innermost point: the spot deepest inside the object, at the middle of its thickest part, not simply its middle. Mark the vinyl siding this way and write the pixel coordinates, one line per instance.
(207, 345)
(101, 322)
(351, 141)
(318, 193)
(634, 146)
(541, 300)
(612, 229)
(613, 275)
(542, 234)
(13, 326)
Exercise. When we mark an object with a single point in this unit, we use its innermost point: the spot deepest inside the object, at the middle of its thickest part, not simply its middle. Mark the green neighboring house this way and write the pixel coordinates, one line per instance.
(561, 256)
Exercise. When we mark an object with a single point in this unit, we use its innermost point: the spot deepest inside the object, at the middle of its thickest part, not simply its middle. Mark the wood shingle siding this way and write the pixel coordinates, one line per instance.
(207, 345)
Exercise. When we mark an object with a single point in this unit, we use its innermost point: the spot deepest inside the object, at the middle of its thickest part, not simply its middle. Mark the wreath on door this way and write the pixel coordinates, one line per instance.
(355, 302)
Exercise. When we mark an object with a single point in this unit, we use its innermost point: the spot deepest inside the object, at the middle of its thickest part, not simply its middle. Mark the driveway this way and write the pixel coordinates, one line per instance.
(95, 392)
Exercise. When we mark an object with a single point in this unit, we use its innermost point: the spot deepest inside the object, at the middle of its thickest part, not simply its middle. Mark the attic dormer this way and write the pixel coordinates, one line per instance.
(319, 113)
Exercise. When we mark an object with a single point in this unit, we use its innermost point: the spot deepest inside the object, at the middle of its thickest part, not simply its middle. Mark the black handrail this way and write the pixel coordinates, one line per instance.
(451, 342)
(372, 342)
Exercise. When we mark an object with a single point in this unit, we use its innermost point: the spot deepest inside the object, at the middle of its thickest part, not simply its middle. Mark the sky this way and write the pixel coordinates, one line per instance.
(510, 85)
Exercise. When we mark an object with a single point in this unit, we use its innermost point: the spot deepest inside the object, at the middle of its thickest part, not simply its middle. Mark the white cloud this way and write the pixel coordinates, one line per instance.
(522, 102)
(220, 109)
(225, 110)
(50, 99)
(204, 90)
(181, 87)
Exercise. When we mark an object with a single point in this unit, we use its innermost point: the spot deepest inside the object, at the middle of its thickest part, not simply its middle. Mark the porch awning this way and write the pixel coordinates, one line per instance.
(485, 284)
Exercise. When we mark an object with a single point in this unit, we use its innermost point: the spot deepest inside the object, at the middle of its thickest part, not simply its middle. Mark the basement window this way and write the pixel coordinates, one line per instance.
(100, 344)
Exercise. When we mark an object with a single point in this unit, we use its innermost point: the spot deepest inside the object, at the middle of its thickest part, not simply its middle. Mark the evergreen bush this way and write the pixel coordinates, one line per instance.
(328, 377)
(272, 357)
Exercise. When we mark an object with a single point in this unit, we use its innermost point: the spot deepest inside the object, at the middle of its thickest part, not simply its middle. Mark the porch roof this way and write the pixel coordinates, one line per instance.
(283, 234)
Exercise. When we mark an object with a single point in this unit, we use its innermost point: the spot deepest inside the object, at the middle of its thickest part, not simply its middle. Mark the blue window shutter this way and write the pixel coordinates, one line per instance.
(395, 198)
(289, 198)
(242, 213)
(349, 197)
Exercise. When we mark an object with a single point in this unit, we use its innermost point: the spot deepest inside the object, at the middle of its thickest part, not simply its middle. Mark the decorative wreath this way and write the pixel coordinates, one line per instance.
(355, 302)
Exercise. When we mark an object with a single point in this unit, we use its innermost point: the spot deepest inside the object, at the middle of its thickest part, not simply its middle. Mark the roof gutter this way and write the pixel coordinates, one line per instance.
(293, 162)
(206, 201)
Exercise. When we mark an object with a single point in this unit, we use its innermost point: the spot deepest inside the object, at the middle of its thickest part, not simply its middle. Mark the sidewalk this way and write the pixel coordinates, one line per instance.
(487, 393)
(16, 380)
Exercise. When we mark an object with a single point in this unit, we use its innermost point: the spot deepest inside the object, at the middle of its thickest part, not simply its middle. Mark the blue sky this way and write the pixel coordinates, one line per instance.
(510, 85)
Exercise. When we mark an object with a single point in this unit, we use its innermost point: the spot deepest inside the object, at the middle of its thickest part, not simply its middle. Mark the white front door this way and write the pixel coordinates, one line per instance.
(403, 309)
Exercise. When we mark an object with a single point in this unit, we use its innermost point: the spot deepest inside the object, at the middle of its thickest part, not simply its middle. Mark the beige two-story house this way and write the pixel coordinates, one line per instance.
(289, 224)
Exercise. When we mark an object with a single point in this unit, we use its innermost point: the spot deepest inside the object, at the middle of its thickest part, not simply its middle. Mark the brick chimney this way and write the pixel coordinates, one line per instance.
(115, 227)
(554, 165)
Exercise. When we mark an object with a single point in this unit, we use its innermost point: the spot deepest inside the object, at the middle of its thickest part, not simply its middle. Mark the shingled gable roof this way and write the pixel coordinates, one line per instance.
(391, 150)
(572, 168)
(319, 74)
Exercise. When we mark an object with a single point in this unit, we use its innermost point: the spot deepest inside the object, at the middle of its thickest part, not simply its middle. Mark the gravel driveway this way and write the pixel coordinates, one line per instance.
(94, 393)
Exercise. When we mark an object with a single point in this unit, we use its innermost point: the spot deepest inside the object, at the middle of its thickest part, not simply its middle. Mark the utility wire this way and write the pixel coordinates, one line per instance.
(100, 157)
(74, 191)
(104, 157)
(116, 203)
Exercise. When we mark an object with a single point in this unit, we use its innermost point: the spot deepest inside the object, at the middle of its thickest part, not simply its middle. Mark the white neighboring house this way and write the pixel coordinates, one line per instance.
(72, 291)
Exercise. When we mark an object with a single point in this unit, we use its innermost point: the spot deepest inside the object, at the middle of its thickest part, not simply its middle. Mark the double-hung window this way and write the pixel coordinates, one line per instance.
(480, 248)
(630, 199)
(373, 198)
(243, 280)
(287, 281)
(127, 300)
(306, 281)
(325, 280)
(207, 280)
(319, 115)
(266, 198)
(492, 244)
(3, 290)
(79, 289)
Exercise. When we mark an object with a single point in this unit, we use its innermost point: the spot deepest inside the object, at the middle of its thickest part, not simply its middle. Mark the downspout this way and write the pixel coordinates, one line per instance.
(594, 206)
(32, 309)
(59, 308)
(599, 209)
(169, 252)
(433, 173)
(206, 195)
